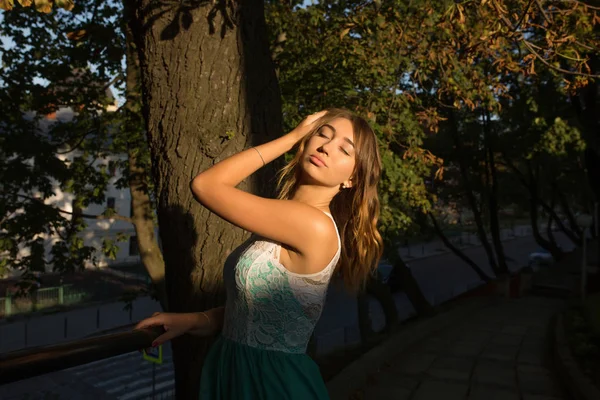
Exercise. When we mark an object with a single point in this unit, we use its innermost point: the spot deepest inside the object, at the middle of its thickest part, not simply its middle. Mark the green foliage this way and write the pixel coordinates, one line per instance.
(402, 65)
(54, 60)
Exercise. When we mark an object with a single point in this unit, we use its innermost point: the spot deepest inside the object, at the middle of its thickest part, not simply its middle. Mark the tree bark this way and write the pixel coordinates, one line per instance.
(142, 210)
(209, 90)
(493, 197)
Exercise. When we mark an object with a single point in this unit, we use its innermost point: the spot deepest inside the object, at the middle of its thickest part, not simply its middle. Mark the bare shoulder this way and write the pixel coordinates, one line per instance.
(319, 249)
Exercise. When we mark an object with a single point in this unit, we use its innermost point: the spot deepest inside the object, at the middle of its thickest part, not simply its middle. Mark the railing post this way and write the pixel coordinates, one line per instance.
(61, 295)
(34, 299)
(7, 304)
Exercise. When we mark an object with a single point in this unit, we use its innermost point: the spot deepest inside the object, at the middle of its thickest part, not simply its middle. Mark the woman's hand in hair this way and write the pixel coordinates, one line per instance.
(307, 124)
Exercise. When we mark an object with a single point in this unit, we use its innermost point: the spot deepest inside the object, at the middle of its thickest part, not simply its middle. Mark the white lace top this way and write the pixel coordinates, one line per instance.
(269, 307)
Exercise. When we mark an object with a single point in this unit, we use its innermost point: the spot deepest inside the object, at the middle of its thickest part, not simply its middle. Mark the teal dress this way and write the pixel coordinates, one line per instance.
(269, 317)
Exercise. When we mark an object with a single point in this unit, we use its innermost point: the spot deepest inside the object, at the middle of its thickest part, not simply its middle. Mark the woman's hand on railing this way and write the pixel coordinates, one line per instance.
(174, 324)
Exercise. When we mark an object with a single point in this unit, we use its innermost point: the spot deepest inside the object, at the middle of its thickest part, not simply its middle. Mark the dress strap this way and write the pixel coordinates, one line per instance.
(337, 232)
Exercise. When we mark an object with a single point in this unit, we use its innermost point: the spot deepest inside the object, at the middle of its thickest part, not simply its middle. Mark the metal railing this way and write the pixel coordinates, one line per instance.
(28, 363)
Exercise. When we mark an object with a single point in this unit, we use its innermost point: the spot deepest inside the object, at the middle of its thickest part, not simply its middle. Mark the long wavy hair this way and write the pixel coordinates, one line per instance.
(355, 209)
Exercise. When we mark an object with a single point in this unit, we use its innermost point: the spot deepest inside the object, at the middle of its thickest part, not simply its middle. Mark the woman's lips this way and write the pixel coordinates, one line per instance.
(317, 161)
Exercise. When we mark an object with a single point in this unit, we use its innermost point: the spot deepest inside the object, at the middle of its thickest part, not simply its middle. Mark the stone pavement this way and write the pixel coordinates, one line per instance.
(497, 353)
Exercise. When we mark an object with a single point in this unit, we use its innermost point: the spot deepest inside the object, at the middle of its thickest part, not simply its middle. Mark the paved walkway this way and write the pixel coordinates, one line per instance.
(498, 353)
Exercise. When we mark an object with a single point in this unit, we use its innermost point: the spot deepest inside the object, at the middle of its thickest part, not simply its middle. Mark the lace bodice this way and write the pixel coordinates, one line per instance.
(269, 307)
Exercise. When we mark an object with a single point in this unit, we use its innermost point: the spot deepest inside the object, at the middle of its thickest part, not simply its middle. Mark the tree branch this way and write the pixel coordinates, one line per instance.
(564, 71)
(543, 11)
(87, 216)
(525, 14)
(98, 217)
(580, 3)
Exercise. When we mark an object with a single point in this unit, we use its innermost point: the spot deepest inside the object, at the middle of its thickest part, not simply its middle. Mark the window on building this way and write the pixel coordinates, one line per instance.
(133, 246)
(110, 202)
(112, 168)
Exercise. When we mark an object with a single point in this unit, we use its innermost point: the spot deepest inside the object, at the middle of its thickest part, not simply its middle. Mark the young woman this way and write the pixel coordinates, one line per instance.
(324, 220)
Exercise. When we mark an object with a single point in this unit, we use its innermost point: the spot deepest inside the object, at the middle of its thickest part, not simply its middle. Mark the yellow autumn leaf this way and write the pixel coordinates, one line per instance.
(461, 16)
(65, 4)
(344, 33)
(43, 6)
(7, 4)
(25, 3)
(77, 35)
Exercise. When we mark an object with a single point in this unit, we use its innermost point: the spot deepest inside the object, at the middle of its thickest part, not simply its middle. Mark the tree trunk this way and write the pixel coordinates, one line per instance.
(550, 210)
(468, 191)
(142, 210)
(143, 222)
(569, 233)
(551, 217)
(364, 319)
(209, 91)
(493, 198)
(564, 205)
(587, 107)
(556, 253)
(401, 279)
(382, 293)
(457, 251)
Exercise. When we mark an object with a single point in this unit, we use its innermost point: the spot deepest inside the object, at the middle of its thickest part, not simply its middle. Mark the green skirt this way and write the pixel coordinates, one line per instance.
(235, 371)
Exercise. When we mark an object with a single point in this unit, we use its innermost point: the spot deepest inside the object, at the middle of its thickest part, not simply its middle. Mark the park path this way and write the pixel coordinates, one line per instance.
(498, 352)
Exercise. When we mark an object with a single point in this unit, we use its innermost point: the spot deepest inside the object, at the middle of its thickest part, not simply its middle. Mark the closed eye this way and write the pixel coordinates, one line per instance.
(344, 150)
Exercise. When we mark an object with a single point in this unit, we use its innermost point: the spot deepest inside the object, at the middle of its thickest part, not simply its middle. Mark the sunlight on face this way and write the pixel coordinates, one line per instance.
(329, 155)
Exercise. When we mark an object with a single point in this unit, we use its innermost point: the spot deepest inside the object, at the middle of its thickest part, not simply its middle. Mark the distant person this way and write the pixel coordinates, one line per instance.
(324, 220)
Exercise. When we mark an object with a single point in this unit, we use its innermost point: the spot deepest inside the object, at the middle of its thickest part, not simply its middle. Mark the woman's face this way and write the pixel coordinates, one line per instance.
(329, 155)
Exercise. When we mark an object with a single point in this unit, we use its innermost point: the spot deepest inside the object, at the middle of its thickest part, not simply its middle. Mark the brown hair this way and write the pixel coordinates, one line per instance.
(356, 209)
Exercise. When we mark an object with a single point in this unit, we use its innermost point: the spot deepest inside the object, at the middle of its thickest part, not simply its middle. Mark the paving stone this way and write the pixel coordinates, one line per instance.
(540, 397)
(434, 345)
(453, 335)
(414, 363)
(464, 348)
(506, 339)
(482, 392)
(538, 383)
(500, 352)
(482, 337)
(535, 345)
(380, 392)
(525, 369)
(488, 372)
(454, 368)
(434, 390)
(390, 378)
(515, 329)
(485, 326)
(531, 358)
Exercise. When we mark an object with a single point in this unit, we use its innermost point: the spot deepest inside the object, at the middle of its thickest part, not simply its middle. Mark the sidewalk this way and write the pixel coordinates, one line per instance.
(498, 352)
(462, 241)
